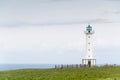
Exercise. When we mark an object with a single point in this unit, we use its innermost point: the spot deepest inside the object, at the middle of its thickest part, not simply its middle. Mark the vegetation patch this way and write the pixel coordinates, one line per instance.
(94, 73)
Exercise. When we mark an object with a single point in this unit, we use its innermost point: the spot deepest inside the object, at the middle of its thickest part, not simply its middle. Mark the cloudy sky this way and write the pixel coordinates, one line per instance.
(52, 31)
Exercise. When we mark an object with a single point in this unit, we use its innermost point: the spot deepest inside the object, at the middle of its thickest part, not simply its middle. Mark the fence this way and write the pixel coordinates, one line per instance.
(70, 66)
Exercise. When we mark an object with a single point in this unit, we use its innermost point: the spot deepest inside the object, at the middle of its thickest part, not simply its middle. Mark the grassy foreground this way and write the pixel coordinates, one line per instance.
(96, 73)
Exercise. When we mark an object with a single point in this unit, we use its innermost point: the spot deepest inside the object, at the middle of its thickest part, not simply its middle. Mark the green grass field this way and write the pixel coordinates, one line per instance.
(96, 73)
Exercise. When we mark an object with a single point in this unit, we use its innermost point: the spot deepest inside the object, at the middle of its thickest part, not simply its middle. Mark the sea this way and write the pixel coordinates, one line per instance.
(25, 66)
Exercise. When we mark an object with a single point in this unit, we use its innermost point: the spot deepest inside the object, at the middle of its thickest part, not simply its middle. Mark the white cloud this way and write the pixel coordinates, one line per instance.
(33, 37)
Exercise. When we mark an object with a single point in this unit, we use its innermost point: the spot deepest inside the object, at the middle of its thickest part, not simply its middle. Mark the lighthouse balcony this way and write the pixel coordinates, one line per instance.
(89, 32)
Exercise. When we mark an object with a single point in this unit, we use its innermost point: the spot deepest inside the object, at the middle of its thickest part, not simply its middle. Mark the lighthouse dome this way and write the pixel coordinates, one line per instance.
(89, 28)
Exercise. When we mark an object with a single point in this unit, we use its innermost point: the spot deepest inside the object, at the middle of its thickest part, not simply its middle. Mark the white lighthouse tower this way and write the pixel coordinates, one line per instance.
(89, 60)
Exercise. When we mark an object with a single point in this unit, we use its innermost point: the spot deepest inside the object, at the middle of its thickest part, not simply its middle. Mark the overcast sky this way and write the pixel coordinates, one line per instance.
(52, 31)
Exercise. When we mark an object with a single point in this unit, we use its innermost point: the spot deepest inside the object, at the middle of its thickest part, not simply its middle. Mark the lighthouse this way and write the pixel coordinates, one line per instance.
(89, 60)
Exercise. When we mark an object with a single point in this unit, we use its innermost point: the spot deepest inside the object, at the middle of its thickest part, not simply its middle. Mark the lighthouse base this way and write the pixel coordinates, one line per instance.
(89, 62)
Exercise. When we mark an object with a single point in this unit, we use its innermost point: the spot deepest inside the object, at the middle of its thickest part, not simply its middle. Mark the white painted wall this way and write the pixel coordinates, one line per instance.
(89, 45)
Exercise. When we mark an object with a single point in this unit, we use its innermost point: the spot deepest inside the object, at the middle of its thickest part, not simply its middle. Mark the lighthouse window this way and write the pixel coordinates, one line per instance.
(88, 36)
(89, 43)
(88, 49)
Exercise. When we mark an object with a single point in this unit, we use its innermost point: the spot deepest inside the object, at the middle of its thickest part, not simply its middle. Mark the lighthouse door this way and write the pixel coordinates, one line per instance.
(89, 63)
